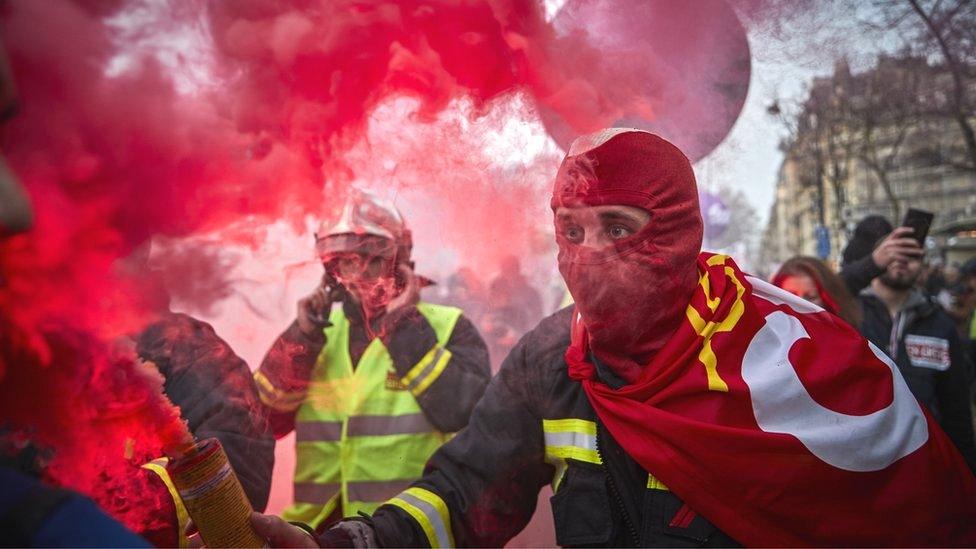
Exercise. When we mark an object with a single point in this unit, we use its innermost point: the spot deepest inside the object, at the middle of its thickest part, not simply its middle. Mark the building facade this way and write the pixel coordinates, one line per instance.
(877, 142)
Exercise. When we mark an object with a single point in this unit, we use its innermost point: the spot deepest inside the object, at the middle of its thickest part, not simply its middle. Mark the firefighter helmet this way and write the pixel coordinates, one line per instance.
(366, 219)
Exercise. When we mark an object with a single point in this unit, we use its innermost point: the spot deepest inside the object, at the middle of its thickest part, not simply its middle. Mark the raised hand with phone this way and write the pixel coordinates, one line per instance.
(906, 242)
(876, 245)
(899, 245)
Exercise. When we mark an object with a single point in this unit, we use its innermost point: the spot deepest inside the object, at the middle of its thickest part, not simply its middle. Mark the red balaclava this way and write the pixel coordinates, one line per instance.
(632, 296)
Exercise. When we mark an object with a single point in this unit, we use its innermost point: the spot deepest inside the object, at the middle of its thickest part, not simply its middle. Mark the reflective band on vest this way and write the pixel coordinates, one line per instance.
(361, 437)
(430, 512)
(271, 396)
(427, 370)
(311, 431)
(311, 492)
(395, 425)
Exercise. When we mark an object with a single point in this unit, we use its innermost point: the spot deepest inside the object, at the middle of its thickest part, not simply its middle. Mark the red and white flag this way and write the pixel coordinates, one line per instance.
(783, 426)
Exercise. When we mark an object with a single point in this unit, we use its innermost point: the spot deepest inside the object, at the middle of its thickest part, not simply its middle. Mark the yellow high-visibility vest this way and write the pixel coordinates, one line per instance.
(361, 436)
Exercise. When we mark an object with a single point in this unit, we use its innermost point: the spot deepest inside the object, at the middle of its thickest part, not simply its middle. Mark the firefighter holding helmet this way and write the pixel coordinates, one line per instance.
(371, 379)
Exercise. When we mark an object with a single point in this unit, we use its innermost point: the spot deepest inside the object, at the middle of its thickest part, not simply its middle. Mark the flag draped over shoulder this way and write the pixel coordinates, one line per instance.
(783, 426)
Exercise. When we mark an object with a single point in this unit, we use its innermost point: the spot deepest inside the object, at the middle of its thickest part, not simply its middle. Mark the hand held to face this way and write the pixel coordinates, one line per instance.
(313, 310)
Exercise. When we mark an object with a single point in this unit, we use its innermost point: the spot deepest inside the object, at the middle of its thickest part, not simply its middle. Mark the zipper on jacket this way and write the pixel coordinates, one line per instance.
(615, 494)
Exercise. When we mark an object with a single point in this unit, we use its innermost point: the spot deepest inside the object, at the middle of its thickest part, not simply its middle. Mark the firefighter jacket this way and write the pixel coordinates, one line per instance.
(922, 340)
(369, 412)
(535, 426)
(215, 393)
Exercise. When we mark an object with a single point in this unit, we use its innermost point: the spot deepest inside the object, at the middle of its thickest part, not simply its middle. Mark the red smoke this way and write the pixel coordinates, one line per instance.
(112, 154)
(95, 414)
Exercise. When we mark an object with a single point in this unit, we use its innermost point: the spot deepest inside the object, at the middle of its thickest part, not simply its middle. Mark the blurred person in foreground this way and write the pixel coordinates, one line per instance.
(680, 402)
(33, 513)
(371, 379)
(922, 339)
(810, 279)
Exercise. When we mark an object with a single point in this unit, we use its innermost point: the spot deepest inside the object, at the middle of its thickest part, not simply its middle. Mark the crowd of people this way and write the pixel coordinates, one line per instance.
(919, 314)
(676, 401)
(665, 407)
(503, 309)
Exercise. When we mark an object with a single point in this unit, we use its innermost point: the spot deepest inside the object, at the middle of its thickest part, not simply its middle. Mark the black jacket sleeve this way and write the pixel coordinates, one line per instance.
(215, 393)
(952, 391)
(488, 476)
(858, 274)
(282, 380)
(446, 392)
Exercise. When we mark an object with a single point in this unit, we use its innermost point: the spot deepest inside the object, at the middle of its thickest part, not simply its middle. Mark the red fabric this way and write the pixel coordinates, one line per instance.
(627, 322)
(813, 484)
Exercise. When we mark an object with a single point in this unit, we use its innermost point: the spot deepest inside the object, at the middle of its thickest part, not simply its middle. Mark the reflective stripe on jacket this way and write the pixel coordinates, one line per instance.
(361, 436)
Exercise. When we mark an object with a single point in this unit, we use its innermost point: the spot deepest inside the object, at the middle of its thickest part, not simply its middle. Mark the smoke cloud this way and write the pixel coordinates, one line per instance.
(213, 121)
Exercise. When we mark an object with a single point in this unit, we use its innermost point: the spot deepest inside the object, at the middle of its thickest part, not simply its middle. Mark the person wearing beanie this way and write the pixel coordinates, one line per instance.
(866, 235)
(678, 403)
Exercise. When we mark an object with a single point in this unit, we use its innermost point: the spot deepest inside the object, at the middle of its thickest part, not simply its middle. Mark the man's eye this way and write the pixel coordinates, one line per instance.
(617, 232)
(573, 234)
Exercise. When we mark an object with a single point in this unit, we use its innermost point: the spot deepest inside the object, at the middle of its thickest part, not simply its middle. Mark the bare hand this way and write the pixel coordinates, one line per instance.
(279, 533)
(897, 246)
(313, 310)
(411, 292)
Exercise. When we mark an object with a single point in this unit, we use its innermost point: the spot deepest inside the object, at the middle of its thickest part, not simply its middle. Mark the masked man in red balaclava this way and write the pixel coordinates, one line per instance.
(679, 403)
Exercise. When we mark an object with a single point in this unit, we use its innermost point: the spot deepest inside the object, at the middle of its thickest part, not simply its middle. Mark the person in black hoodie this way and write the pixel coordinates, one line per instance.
(921, 338)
